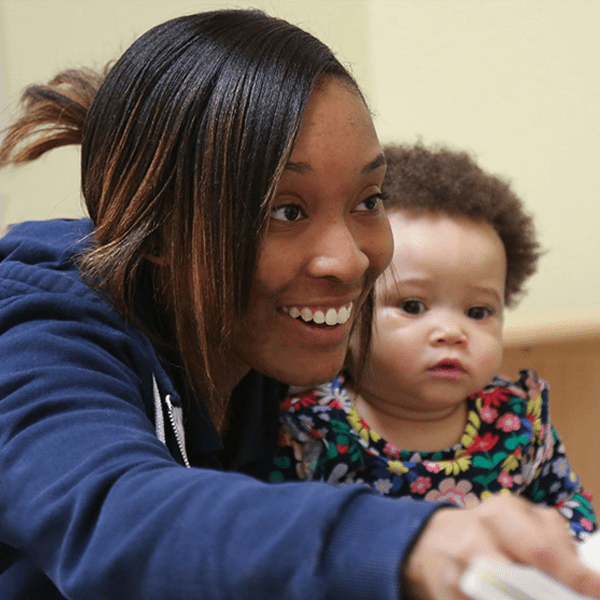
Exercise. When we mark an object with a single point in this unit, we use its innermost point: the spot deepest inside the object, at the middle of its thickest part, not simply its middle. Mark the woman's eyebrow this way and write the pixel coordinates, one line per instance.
(298, 167)
(375, 164)
(302, 168)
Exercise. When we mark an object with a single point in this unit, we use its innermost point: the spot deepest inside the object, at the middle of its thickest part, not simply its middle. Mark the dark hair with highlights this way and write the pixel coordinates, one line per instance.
(183, 142)
(442, 180)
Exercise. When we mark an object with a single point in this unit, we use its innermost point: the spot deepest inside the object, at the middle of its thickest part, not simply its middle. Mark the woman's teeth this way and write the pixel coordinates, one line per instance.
(330, 316)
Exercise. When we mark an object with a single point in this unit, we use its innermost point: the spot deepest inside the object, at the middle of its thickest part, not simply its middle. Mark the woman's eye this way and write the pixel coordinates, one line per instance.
(478, 312)
(287, 212)
(371, 203)
(412, 307)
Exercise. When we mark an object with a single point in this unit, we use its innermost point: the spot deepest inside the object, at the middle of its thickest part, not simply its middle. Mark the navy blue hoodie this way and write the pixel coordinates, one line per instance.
(96, 502)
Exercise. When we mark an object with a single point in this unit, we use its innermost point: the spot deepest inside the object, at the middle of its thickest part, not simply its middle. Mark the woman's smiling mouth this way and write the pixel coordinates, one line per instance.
(321, 316)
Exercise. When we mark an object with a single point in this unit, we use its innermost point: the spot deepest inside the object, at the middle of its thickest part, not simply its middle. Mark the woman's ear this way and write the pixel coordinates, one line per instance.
(157, 256)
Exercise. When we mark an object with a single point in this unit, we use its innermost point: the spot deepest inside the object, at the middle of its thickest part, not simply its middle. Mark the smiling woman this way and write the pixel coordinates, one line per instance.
(327, 240)
(232, 178)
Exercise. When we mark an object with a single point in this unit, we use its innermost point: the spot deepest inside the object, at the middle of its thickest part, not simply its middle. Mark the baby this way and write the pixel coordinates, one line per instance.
(428, 417)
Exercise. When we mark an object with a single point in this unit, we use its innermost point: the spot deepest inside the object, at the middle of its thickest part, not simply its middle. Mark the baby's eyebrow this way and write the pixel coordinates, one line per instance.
(491, 291)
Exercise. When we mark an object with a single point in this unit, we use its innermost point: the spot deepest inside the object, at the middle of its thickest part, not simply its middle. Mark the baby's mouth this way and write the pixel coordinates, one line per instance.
(450, 365)
(327, 316)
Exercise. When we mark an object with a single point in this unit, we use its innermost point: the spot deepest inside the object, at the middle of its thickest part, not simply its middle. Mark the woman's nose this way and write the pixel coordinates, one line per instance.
(338, 254)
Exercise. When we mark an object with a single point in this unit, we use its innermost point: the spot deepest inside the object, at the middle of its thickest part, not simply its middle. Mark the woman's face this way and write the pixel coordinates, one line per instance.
(328, 239)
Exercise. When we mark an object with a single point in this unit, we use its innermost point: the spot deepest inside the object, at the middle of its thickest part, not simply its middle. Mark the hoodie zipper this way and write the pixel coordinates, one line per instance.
(175, 418)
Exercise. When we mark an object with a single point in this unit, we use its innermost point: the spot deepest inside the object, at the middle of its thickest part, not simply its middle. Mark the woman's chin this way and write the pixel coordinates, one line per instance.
(303, 366)
(314, 379)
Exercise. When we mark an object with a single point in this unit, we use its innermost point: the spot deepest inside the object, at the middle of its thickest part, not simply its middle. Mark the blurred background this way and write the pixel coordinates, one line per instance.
(515, 82)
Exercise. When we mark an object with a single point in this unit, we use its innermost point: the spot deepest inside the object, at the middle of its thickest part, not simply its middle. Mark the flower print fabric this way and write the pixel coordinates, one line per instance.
(508, 446)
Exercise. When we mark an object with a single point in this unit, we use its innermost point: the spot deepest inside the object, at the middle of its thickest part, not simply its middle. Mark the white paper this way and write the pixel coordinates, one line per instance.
(489, 580)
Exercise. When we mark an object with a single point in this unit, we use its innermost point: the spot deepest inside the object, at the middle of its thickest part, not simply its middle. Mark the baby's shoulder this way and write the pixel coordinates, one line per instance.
(527, 394)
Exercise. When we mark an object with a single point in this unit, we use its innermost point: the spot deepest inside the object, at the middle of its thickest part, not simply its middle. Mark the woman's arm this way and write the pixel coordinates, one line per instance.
(503, 528)
(92, 498)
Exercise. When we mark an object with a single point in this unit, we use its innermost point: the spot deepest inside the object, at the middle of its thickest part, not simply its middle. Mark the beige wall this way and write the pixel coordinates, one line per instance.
(38, 38)
(516, 82)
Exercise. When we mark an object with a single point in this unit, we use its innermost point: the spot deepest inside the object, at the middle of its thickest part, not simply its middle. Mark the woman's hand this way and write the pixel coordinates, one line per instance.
(503, 528)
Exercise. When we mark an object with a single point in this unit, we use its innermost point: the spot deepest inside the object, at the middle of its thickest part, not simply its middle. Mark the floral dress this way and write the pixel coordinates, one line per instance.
(508, 446)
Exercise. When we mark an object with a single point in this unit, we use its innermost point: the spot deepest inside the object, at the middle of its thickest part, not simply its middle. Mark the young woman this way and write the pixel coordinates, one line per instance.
(232, 177)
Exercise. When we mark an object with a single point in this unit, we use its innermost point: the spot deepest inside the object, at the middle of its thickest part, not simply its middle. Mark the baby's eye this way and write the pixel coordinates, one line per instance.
(412, 306)
(478, 312)
(287, 212)
(372, 203)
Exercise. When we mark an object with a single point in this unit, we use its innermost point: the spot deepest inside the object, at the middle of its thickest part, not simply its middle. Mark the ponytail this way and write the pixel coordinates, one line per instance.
(182, 143)
(51, 116)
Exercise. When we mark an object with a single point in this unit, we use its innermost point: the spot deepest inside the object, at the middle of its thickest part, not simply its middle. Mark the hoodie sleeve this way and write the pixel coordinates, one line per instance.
(90, 496)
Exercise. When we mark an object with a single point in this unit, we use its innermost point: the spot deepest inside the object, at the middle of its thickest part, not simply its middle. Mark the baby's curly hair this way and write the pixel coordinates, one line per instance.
(442, 180)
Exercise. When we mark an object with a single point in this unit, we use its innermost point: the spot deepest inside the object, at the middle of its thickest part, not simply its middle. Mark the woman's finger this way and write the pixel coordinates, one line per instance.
(503, 529)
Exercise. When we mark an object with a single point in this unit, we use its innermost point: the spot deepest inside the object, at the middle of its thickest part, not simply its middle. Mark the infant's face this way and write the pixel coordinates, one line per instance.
(438, 321)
